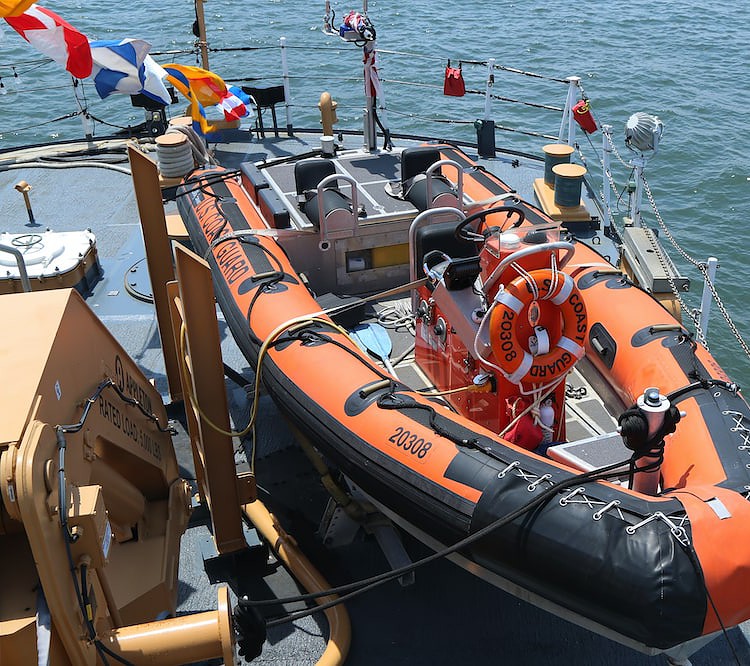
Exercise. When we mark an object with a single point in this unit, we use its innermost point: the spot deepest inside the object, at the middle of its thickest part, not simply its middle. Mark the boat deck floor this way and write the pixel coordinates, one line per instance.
(587, 414)
(447, 616)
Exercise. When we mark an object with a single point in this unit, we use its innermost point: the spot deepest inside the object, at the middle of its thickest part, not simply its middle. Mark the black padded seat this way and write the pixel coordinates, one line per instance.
(414, 163)
(265, 98)
(253, 179)
(307, 176)
(441, 236)
(308, 173)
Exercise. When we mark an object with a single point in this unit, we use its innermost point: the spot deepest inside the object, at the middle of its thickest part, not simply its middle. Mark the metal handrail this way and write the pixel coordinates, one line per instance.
(321, 212)
(25, 283)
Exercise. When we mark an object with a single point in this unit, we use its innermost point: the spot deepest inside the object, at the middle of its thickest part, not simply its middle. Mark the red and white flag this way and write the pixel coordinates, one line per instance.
(235, 104)
(54, 37)
(373, 87)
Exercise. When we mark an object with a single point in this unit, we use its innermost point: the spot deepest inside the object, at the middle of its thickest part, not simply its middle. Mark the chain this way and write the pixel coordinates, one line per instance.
(617, 154)
(703, 270)
(658, 252)
(700, 266)
(608, 175)
(691, 312)
(722, 308)
(667, 232)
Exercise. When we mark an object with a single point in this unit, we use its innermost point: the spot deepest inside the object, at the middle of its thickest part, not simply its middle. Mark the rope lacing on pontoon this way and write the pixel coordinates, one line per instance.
(676, 522)
(678, 531)
(743, 431)
(578, 496)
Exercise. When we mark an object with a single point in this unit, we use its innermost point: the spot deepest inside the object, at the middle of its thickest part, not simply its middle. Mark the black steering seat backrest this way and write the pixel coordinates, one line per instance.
(441, 236)
(415, 162)
(308, 174)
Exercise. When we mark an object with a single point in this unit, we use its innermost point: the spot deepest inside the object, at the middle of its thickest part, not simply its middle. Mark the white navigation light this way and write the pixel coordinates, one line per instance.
(643, 131)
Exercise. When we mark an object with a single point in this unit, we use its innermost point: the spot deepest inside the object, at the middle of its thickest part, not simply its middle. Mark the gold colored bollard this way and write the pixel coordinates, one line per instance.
(23, 187)
(327, 113)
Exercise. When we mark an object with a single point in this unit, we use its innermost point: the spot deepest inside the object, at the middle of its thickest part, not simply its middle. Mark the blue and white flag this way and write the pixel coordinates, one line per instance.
(153, 84)
(125, 67)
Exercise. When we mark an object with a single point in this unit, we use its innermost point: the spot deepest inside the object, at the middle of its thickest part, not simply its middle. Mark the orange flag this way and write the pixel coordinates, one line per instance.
(14, 7)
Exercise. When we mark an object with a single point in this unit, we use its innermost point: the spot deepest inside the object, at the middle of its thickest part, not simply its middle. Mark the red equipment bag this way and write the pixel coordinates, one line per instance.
(583, 116)
(454, 81)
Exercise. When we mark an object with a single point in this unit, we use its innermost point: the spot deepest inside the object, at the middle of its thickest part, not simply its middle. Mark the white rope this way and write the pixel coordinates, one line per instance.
(533, 287)
(543, 392)
(555, 277)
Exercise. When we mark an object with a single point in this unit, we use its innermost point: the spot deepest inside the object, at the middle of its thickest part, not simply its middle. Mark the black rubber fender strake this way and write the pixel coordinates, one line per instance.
(636, 584)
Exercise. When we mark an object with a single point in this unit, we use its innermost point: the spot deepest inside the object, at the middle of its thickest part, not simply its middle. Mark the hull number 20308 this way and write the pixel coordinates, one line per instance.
(409, 442)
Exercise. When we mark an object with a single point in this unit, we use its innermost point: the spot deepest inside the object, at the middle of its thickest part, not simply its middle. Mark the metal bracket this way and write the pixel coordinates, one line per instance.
(338, 529)
(639, 249)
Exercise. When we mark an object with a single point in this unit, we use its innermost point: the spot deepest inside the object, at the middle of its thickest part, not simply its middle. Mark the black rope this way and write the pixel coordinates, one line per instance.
(387, 143)
(109, 383)
(191, 184)
(309, 335)
(127, 128)
(393, 401)
(358, 587)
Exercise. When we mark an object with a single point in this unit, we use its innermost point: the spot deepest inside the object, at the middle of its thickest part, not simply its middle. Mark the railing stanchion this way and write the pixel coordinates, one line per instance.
(606, 150)
(712, 264)
(287, 91)
(567, 116)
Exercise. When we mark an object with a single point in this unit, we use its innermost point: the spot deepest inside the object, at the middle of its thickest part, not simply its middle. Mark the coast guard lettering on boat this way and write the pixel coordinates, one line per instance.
(525, 294)
(230, 257)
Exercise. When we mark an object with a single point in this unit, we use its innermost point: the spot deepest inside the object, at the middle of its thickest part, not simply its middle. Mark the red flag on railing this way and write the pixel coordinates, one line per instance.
(54, 37)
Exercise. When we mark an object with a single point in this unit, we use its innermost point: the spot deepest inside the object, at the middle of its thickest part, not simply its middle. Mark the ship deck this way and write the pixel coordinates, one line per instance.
(446, 615)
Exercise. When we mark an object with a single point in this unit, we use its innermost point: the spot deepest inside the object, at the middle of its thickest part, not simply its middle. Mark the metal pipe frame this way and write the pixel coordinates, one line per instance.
(285, 547)
(25, 284)
(178, 640)
(459, 179)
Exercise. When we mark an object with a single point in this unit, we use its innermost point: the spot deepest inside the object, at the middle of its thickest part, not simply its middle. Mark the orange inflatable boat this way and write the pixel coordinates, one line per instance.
(558, 426)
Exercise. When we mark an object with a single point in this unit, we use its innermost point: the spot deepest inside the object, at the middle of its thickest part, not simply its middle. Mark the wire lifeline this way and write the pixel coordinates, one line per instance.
(73, 114)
